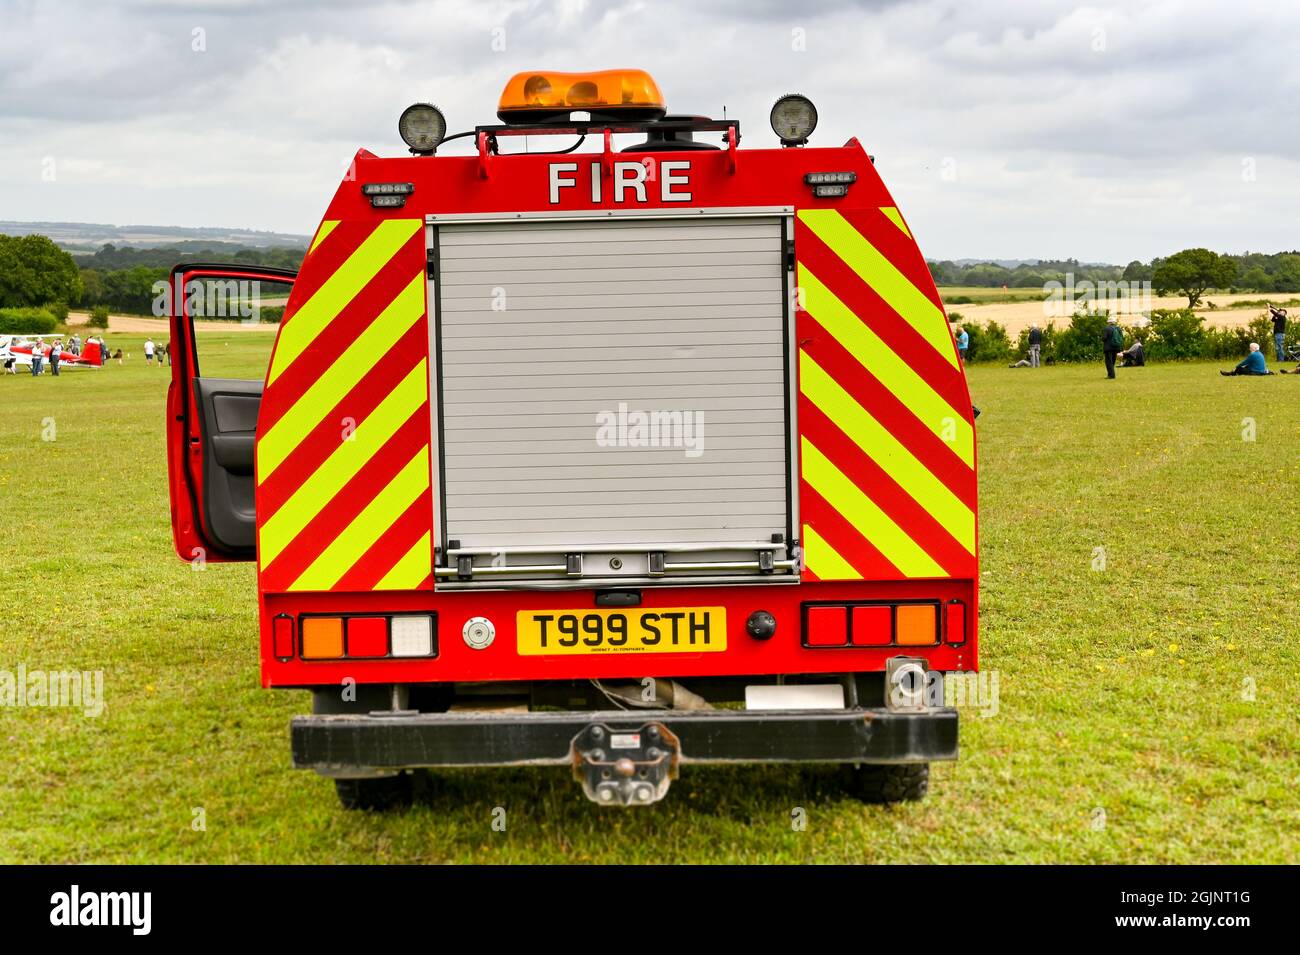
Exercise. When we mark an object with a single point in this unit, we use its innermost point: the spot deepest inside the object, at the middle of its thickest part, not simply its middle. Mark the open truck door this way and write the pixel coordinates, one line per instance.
(212, 407)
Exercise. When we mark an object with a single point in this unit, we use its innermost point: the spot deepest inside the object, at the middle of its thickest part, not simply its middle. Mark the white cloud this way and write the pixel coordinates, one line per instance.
(1104, 131)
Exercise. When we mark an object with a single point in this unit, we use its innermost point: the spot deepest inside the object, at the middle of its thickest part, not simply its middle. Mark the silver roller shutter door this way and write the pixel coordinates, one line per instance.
(547, 325)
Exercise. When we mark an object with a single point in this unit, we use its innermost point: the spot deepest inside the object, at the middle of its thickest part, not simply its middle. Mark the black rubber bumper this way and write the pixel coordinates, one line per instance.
(331, 744)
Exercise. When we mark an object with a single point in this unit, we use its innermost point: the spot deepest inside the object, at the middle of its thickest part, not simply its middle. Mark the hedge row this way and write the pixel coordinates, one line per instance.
(27, 321)
(1172, 334)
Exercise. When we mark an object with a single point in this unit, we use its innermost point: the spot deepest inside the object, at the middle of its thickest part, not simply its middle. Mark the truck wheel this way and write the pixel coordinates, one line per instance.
(885, 784)
(376, 795)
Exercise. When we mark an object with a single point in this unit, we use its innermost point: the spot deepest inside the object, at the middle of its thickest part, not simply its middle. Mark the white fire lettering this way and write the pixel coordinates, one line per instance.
(674, 178)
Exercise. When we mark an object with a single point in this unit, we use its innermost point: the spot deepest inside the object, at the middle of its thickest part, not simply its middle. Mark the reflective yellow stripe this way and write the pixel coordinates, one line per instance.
(326, 227)
(860, 511)
(338, 290)
(416, 564)
(340, 378)
(878, 272)
(368, 526)
(318, 491)
(822, 560)
(896, 217)
(894, 373)
(887, 451)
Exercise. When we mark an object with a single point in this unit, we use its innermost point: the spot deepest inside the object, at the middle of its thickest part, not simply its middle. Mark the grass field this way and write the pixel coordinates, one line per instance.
(1147, 711)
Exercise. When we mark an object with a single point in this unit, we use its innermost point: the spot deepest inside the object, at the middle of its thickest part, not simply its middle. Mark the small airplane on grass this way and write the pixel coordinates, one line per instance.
(16, 352)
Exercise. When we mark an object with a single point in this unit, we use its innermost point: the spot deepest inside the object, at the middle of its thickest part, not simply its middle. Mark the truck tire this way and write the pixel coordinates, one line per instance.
(888, 784)
(376, 795)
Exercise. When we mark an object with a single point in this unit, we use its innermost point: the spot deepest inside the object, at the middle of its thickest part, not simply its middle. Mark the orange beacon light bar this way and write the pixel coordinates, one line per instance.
(627, 94)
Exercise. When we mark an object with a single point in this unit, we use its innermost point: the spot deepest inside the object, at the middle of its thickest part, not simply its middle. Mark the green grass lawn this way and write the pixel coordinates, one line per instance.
(1124, 691)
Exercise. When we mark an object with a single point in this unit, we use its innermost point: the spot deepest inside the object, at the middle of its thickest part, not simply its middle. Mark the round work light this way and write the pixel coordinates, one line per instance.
(793, 119)
(422, 127)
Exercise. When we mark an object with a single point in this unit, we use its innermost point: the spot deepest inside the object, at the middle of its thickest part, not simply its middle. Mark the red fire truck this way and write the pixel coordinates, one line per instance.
(607, 444)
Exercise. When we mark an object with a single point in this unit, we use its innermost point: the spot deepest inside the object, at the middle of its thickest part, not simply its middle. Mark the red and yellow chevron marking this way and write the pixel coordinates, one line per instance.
(343, 446)
(887, 441)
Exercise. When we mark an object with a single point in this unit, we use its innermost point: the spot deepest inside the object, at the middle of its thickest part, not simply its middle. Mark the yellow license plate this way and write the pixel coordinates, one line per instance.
(661, 630)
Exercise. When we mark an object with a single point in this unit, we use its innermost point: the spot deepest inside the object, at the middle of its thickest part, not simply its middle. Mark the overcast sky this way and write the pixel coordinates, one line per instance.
(1004, 128)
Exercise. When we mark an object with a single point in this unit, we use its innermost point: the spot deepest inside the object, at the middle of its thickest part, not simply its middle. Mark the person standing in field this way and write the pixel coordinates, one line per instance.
(1112, 343)
(1035, 345)
(54, 357)
(148, 351)
(1279, 330)
(963, 343)
(38, 357)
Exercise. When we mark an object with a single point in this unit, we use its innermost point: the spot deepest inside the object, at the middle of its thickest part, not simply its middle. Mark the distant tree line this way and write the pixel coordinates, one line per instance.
(124, 279)
(37, 274)
(1184, 271)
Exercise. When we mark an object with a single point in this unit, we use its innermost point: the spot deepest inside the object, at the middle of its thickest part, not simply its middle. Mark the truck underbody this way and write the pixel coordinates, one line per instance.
(621, 754)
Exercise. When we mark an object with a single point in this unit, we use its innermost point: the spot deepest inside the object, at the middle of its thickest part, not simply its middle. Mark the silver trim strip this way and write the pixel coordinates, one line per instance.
(589, 215)
(638, 547)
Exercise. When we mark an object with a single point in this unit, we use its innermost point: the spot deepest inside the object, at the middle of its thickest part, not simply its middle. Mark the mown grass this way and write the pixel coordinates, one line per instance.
(1123, 690)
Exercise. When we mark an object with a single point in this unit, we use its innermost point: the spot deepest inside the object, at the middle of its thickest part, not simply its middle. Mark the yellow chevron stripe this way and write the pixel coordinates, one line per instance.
(409, 572)
(341, 377)
(316, 493)
(878, 272)
(887, 451)
(326, 227)
(302, 327)
(860, 511)
(894, 373)
(896, 217)
(822, 559)
(368, 526)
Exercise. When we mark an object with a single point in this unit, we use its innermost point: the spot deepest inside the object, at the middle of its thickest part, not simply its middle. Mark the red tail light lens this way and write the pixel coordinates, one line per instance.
(826, 626)
(367, 636)
(282, 636)
(954, 627)
(873, 626)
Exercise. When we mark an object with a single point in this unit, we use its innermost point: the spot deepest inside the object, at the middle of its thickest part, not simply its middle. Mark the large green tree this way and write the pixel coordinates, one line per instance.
(35, 271)
(1192, 271)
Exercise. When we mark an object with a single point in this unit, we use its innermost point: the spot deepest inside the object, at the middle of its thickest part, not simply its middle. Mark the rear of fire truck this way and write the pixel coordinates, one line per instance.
(606, 444)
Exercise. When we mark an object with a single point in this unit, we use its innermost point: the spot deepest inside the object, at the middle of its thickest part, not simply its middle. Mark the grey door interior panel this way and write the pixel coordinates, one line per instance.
(228, 420)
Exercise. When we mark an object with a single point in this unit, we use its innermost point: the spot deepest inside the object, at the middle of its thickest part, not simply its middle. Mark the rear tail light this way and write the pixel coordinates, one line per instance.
(876, 624)
(412, 636)
(873, 626)
(322, 638)
(367, 636)
(826, 626)
(282, 636)
(916, 625)
(370, 637)
(954, 625)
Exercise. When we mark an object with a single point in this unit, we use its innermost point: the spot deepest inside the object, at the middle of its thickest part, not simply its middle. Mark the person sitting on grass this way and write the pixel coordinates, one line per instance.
(1252, 364)
(1134, 356)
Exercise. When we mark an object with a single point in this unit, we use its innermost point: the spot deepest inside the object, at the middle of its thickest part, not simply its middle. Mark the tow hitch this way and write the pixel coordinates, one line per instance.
(622, 767)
